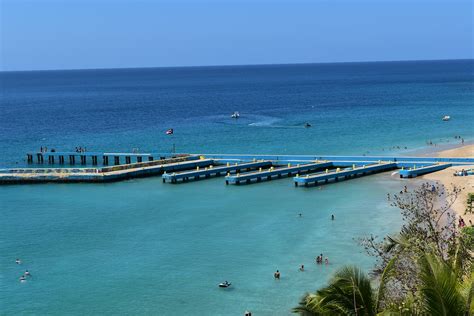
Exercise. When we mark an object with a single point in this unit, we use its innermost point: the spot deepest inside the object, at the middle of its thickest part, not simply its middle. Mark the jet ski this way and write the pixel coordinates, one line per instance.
(225, 284)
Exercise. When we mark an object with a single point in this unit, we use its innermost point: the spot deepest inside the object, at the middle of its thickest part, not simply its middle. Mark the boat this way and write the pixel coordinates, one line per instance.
(235, 115)
(446, 118)
(225, 284)
(307, 124)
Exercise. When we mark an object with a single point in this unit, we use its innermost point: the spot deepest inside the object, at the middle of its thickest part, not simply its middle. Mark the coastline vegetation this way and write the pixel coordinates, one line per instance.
(425, 269)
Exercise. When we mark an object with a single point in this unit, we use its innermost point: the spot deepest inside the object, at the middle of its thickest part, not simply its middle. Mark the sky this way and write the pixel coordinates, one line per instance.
(78, 34)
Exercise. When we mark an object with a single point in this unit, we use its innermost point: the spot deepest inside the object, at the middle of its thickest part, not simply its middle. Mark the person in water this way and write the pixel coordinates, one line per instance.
(27, 273)
(302, 268)
(326, 261)
(276, 275)
(332, 217)
(22, 278)
(18, 261)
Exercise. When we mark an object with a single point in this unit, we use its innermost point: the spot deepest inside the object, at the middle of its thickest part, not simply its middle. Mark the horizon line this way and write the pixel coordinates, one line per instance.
(239, 65)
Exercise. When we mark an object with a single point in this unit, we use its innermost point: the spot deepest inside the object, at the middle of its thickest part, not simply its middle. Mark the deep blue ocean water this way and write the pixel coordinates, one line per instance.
(143, 247)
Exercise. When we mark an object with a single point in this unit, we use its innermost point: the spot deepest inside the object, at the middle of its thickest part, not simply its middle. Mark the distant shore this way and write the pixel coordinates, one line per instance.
(447, 179)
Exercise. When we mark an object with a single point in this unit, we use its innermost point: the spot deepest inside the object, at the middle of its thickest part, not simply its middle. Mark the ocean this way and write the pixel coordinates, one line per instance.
(144, 247)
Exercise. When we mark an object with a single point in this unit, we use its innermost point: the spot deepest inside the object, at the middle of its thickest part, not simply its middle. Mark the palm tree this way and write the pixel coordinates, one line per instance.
(440, 290)
(349, 292)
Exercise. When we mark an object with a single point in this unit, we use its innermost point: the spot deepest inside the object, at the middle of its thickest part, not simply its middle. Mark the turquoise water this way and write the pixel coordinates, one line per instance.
(144, 247)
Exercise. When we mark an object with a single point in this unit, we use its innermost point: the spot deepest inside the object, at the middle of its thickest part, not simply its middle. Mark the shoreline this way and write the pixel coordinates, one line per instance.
(447, 179)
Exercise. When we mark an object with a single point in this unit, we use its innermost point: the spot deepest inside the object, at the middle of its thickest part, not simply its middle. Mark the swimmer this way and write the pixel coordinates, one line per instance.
(18, 261)
(319, 259)
(22, 278)
(302, 268)
(27, 273)
(276, 275)
(326, 261)
(300, 215)
(332, 217)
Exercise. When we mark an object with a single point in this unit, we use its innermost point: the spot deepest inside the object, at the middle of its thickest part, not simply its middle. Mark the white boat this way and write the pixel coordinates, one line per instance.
(225, 284)
(235, 115)
(446, 118)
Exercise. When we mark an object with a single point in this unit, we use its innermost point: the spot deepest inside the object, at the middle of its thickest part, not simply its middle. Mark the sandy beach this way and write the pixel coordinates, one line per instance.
(446, 177)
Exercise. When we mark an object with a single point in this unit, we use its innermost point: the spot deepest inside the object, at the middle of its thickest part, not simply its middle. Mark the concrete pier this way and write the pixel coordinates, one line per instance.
(104, 174)
(215, 171)
(415, 171)
(273, 172)
(119, 166)
(94, 157)
(338, 174)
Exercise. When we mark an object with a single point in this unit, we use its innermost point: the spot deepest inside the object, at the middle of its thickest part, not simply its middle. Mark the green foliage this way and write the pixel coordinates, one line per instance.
(440, 290)
(348, 292)
(468, 230)
(426, 269)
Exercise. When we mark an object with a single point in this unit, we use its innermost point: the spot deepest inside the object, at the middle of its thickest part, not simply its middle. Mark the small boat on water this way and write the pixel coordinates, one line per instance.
(235, 115)
(225, 284)
(446, 118)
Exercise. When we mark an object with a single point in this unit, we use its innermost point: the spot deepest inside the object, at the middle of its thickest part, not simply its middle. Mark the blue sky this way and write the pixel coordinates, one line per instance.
(73, 34)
